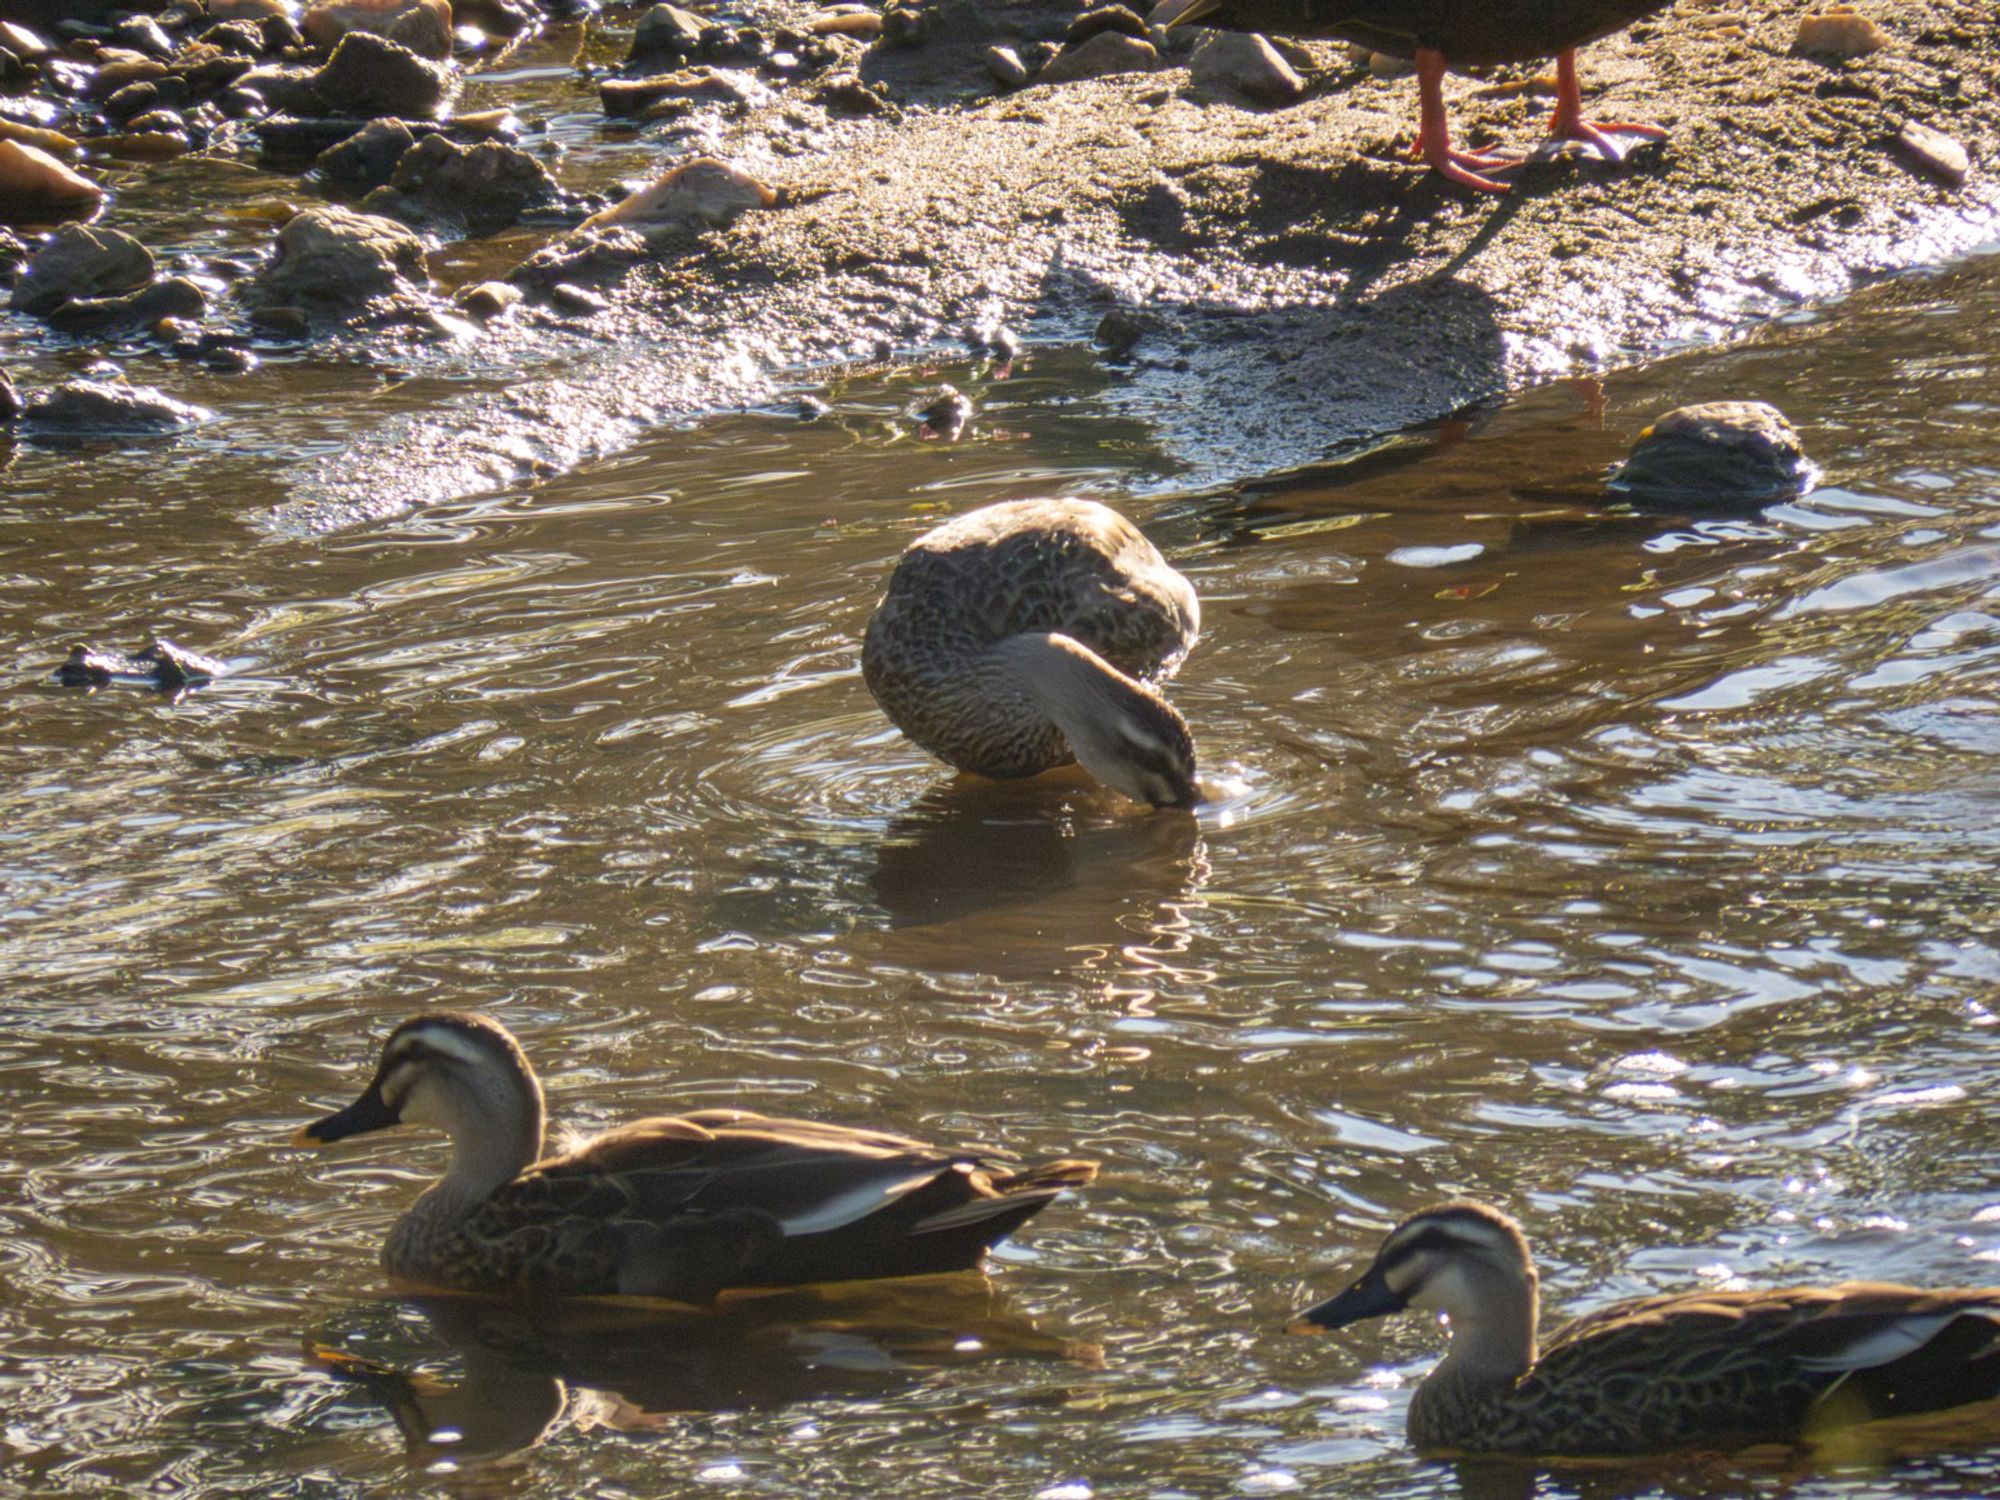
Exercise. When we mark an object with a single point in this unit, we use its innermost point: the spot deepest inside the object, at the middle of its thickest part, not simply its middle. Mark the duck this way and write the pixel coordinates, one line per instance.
(680, 1207)
(1033, 634)
(1701, 1369)
(1441, 34)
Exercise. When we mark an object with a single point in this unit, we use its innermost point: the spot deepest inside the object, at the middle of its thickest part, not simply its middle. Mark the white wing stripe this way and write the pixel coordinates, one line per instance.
(854, 1204)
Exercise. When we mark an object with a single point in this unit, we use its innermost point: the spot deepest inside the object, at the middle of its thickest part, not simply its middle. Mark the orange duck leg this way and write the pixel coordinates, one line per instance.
(1569, 124)
(1466, 168)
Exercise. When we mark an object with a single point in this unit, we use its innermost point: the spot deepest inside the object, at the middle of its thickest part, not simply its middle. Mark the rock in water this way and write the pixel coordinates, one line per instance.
(30, 178)
(344, 263)
(666, 33)
(163, 666)
(81, 411)
(82, 261)
(703, 191)
(484, 187)
(372, 76)
(1717, 453)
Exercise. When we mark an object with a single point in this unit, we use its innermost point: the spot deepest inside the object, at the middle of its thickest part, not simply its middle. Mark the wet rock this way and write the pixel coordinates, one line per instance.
(1838, 33)
(372, 76)
(483, 187)
(423, 26)
(905, 27)
(88, 410)
(246, 10)
(666, 33)
(488, 300)
(1931, 150)
(1119, 332)
(142, 34)
(635, 96)
(589, 254)
(13, 257)
(284, 322)
(945, 415)
(289, 90)
(175, 297)
(81, 261)
(1239, 62)
(569, 298)
(28, 46)
(702, 191)
(229, 39)
(32, 179)
(1106, 53)
(343, 264)
(1004, 66)
(366, 159)
(162, 666)
(1717, 453)
(845, 20)
(1104, 18)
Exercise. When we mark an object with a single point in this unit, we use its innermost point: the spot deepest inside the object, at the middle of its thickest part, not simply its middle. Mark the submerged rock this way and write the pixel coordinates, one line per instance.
(945, 415)
(82, 261)
(162, 666)
(175, 297)
(30, 178)
(346, 264)
(1717, 453)
(704, 191)
(87, 410)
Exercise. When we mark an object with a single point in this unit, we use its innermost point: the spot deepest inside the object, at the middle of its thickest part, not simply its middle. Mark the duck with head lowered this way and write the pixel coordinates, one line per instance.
(676, 1206)
(1035, 633)
(1705, 1369)
(1441, 34)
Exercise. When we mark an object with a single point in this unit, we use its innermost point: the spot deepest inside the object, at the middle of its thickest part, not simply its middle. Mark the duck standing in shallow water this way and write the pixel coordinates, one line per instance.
(1688, 1370)
(1034, 633)
(680, 1206)
(1439, 34)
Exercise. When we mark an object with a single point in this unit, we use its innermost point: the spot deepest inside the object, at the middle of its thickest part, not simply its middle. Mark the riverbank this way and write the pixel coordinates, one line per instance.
(1286, 282)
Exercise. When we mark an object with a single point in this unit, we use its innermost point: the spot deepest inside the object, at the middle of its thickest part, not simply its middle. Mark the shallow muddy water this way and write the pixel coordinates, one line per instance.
(1634, 872)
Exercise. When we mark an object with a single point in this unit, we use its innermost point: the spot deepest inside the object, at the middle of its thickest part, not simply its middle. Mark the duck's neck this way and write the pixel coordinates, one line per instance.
(1492, 1339)
(1081, 692)
(486, 1153)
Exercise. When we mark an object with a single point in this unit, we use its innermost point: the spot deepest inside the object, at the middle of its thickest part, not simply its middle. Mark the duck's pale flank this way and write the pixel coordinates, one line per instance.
(1689, 1370)
(680, 1206)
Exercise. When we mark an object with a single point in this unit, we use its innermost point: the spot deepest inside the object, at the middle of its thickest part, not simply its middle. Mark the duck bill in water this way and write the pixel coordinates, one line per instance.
(1369, 1297)
(370, 1112)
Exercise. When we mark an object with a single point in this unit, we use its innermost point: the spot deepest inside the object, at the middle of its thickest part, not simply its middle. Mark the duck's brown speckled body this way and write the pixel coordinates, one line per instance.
(938, 654)
(1703, 1369)
(680, 1206)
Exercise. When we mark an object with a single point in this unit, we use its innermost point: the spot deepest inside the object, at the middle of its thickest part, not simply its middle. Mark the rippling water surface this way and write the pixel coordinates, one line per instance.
(1635, 872)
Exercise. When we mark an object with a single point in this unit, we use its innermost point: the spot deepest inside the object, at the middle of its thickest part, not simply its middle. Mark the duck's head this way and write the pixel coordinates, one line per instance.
(1120, 729)
(1460, 1259)
(456, 1072)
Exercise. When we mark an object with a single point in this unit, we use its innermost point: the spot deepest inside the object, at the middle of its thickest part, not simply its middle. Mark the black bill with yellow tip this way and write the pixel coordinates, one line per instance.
(1369, 1297)
(370, 1112)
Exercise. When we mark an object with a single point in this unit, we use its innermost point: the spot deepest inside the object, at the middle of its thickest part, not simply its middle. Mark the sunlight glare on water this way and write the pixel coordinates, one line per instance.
(1633, 871)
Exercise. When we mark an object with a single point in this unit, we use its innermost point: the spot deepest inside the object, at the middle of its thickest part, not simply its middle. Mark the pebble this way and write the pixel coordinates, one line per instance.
(1104, 54)
(487, 300)
(1718, 452)
(946, 414)
(569, 297)
(845, 20)
(1838, 33)
(1006, 68)
(705, 190)
(1119, 332)
(1941, 155)
(1245, 64)
(667, 31)
(81, 260)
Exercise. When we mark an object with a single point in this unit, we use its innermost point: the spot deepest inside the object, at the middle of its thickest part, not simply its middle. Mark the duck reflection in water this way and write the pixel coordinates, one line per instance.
(526, 1373)
(972, 846)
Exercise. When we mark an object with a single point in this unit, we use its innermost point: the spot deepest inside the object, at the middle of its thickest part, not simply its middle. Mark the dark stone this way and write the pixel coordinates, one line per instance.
(344, 263)
(1105, 18)
(367, 158)
(848, 95)
(946, 414)
(1119, 332)
(666, 33)
(162, 666)
(1717, 453)
(244, 38)
(175, 297)
(372, 76)
(79, 261)
(633, 96)
(484, 187)
(87, 410)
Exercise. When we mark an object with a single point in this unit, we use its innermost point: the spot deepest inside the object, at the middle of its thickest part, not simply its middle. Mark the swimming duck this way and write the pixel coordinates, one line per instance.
(1454, 33)
(1033, 633)
(1686, 1370)
(676, 1206)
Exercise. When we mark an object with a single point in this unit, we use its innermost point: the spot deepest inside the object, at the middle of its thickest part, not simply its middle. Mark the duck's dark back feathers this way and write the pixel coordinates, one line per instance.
(1470, 33)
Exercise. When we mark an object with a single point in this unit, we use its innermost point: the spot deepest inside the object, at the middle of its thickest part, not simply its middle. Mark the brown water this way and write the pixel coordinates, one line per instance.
(1637, 873)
